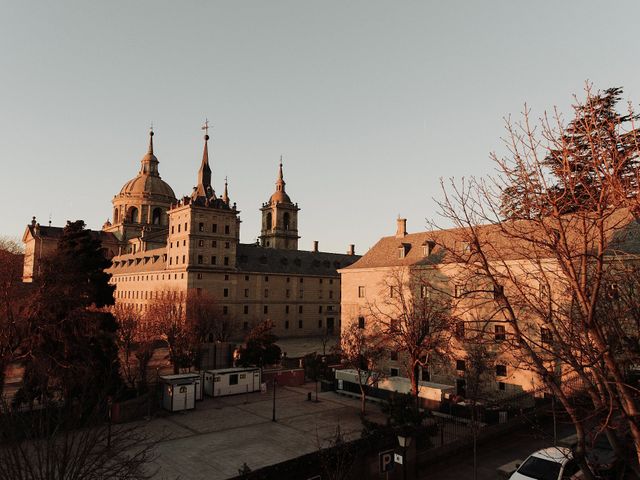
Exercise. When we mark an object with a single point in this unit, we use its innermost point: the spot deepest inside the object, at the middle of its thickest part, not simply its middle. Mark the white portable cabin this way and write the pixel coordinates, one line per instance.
(231, 381)
(180, 392)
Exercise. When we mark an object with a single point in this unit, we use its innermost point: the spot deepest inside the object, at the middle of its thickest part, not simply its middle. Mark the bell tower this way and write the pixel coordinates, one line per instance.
(280, 218)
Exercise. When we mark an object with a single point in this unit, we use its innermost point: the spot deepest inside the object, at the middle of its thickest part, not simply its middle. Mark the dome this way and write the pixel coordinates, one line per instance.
(149, 184)
(280, 196)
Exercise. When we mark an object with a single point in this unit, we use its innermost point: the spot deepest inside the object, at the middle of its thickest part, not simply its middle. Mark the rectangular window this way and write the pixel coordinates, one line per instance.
(266, 278)
(226, 277)
(233, 379)
(459, 291)
(330, 293)
(361, 292)
(545, 335)
(226, 229)
(286, 309)
(320, 323)
(227, 245)
(214, 228)
(246, 278)
(225, 310)
(266, 293)
(246, 309)
(172, 230)
(226, 260)
(286, 324)
(184, 259)
(301, 293)
(394, 372)
(245, 326)
(499, 334)
(199, 276)
(501, 370)
(459, 329)
(225, 292)
(246, 293)
(460, 366)
(265, 309)
(287, 293)
(502, 386)
(319, 308)
(288, 279)
(299, 323)
(360, 322)
(393, 355)
(391, 289)
(498, 291)
(201, 227)
(200, 260)
(299, 308)
(214, 243)
(302, 280)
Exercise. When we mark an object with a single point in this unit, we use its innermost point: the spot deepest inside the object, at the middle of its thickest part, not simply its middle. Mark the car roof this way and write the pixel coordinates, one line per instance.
(555, 454)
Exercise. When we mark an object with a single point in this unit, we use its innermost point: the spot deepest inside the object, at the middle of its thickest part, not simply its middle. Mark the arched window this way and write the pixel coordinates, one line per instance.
(116, 216)
(132, 215)
(269, 223)
(156, 216)
(285, 219)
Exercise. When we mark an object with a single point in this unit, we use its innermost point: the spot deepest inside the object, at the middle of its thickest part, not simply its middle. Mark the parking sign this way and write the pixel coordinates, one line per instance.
(386, 461)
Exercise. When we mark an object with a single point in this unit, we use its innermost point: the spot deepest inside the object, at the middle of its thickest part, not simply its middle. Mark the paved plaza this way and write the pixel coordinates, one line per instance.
(213, 441)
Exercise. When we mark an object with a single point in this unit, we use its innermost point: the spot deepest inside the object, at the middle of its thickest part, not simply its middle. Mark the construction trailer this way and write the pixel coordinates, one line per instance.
(231, 381)
(180, 392)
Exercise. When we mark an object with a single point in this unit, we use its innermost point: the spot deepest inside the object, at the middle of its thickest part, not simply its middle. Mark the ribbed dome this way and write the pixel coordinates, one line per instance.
(280, 197)
(148, 184)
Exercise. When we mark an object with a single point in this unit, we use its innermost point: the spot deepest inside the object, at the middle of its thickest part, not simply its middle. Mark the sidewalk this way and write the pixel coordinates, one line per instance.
(213, 441)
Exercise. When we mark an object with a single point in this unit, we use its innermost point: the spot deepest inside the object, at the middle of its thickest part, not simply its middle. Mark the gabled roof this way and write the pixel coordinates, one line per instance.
(509, 240)
(54, 233)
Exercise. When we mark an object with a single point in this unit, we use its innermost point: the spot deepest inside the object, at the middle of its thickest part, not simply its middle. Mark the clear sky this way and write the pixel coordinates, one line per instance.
(369, 102)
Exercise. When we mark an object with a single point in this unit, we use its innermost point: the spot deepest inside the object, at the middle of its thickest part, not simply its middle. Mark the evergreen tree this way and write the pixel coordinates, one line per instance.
(598, 145)
(71, 348)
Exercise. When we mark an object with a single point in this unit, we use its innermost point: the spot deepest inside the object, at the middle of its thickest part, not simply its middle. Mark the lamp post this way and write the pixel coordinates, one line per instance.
(404, 440)
(273, 415)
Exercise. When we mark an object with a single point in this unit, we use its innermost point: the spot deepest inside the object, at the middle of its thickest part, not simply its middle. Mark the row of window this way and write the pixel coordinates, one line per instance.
(139, 278)
(214, 228)
(214, 260)
(501, 370)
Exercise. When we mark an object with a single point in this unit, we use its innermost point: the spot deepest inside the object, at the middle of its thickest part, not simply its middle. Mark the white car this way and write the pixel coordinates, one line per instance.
(553, 463)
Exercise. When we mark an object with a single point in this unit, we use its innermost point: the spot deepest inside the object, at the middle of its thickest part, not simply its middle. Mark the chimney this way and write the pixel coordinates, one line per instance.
(315, 246)
(352, 250)
(402, 227)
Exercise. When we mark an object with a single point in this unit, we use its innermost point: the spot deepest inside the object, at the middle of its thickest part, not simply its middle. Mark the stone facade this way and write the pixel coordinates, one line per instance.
(162, 246)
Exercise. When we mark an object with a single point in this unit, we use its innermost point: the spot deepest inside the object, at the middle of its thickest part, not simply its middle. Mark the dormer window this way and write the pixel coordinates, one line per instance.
(427, 248)
(403, 249)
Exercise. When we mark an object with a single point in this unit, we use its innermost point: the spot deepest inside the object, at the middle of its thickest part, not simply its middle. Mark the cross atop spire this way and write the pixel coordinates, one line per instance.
(205, 127)
(225, 195)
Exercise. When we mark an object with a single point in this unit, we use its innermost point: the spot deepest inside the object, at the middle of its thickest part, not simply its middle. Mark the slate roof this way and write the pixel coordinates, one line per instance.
(254, 258)
(56, 232)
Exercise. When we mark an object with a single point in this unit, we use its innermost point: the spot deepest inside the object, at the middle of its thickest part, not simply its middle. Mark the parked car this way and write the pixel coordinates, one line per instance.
(553, 463)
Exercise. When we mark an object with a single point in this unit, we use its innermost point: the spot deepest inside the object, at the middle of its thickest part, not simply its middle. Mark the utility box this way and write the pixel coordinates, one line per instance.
(231, 381)
(179, 392)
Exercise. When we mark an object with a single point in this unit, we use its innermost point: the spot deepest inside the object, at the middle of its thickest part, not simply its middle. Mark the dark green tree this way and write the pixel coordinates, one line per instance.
(598, 145)
(71, 349)
(260, 348)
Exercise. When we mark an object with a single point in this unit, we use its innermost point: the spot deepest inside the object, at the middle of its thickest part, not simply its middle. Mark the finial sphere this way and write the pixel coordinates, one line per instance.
(151, 133)
(206, 137)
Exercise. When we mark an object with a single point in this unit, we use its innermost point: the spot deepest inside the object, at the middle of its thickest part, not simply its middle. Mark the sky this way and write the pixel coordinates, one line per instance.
(369, 102)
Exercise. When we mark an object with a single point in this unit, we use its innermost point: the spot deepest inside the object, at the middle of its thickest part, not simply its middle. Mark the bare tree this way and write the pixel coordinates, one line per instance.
(128, 319)
(415, 321)
(542, 271)
(205, 317)
(168, 315)
(362, 350)
(54, 443)
(12, 304)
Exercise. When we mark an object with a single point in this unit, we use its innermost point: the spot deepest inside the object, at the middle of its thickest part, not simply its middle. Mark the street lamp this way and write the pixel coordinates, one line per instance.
(273, 416)
(404, 440)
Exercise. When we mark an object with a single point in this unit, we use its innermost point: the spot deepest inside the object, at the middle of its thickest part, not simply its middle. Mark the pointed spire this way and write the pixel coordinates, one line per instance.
(204, 189)
(225, 195)
(150, 152)
(280, 183)
(149, 162)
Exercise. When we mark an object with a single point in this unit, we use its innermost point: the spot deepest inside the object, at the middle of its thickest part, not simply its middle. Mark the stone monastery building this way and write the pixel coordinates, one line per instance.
(161, 245)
